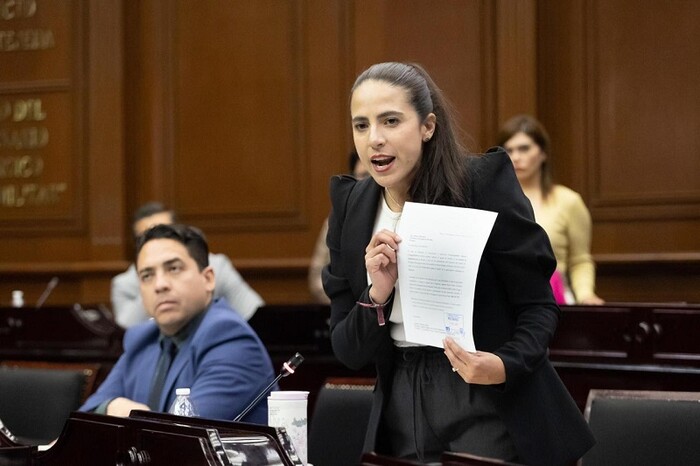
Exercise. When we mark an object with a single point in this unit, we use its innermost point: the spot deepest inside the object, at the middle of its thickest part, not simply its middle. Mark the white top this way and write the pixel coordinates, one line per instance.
(389, 220)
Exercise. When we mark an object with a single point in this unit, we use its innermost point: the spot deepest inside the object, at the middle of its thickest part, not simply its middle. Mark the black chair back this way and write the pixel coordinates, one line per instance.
(339, 422)
(35, 403)
(643, 428)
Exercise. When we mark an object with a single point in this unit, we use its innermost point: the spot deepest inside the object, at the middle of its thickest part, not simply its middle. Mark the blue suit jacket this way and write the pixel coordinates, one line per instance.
(224, 363)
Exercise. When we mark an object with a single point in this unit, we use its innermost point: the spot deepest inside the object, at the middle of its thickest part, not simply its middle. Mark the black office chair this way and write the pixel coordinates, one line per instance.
(339, 422)
(35, 403)
(643, 428)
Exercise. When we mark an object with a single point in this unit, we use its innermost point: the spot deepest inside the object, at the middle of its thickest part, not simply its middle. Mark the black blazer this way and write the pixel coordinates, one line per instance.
(515, 314)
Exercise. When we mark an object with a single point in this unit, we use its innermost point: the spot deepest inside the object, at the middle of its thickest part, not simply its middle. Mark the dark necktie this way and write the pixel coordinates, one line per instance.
(167, 354)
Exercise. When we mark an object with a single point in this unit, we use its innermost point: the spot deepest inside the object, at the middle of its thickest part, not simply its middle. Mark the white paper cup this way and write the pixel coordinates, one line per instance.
(290, 395)
(288, 409)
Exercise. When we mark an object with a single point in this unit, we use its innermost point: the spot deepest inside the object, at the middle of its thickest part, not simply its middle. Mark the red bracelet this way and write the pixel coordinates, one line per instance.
(378, 307)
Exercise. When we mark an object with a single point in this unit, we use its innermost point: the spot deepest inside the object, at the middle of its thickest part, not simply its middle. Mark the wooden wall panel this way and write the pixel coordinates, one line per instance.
(644, 108)
(45, 35)
(65, 58)
(620, 103)
(242, 115)
(239, 125)
(515, 31)
(561, 89)
(42, 170)
(236, 114)
(668, 277)
(446, 37)
(481, 53)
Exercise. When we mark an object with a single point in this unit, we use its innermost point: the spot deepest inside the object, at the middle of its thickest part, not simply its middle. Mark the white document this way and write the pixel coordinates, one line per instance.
(438, 260)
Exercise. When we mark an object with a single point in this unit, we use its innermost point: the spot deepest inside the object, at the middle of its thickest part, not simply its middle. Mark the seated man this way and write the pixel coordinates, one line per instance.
(193, 340)
(126, 300)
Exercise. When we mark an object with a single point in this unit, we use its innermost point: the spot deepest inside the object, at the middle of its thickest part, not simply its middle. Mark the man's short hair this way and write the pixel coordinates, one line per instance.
(192, 238)
(152, 208)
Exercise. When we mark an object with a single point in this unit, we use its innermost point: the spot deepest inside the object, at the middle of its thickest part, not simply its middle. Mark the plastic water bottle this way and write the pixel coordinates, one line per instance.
(17, 298)
(182, 406)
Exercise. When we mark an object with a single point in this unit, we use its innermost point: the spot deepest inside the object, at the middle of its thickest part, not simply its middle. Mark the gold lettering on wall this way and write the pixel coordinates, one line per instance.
(23, 39)
(16, 171)
(25, 170)
(31, 194)
(21, 110)
(26, 166)
(31, 137)
(17, 9)
(26, 39)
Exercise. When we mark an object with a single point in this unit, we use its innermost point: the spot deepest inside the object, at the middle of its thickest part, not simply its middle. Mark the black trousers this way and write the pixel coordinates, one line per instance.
(431, 410)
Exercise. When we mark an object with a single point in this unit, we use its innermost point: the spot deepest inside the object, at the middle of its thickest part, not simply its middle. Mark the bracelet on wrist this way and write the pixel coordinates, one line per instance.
(376, 306)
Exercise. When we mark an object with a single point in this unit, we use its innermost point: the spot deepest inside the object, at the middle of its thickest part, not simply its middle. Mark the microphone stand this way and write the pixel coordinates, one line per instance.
(45, 295)
(287, 368)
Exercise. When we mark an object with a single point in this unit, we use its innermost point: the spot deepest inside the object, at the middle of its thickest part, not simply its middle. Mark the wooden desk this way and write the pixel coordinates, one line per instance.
(642, 346)
(61, 335)
(633, 346)
(157, 440)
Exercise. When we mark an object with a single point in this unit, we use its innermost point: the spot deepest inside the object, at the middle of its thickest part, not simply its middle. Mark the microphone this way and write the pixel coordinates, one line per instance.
(287, 368)
(45, 295)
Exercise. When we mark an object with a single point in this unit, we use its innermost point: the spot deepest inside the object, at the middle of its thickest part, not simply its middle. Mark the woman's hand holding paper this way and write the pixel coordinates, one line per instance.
(380, 261)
